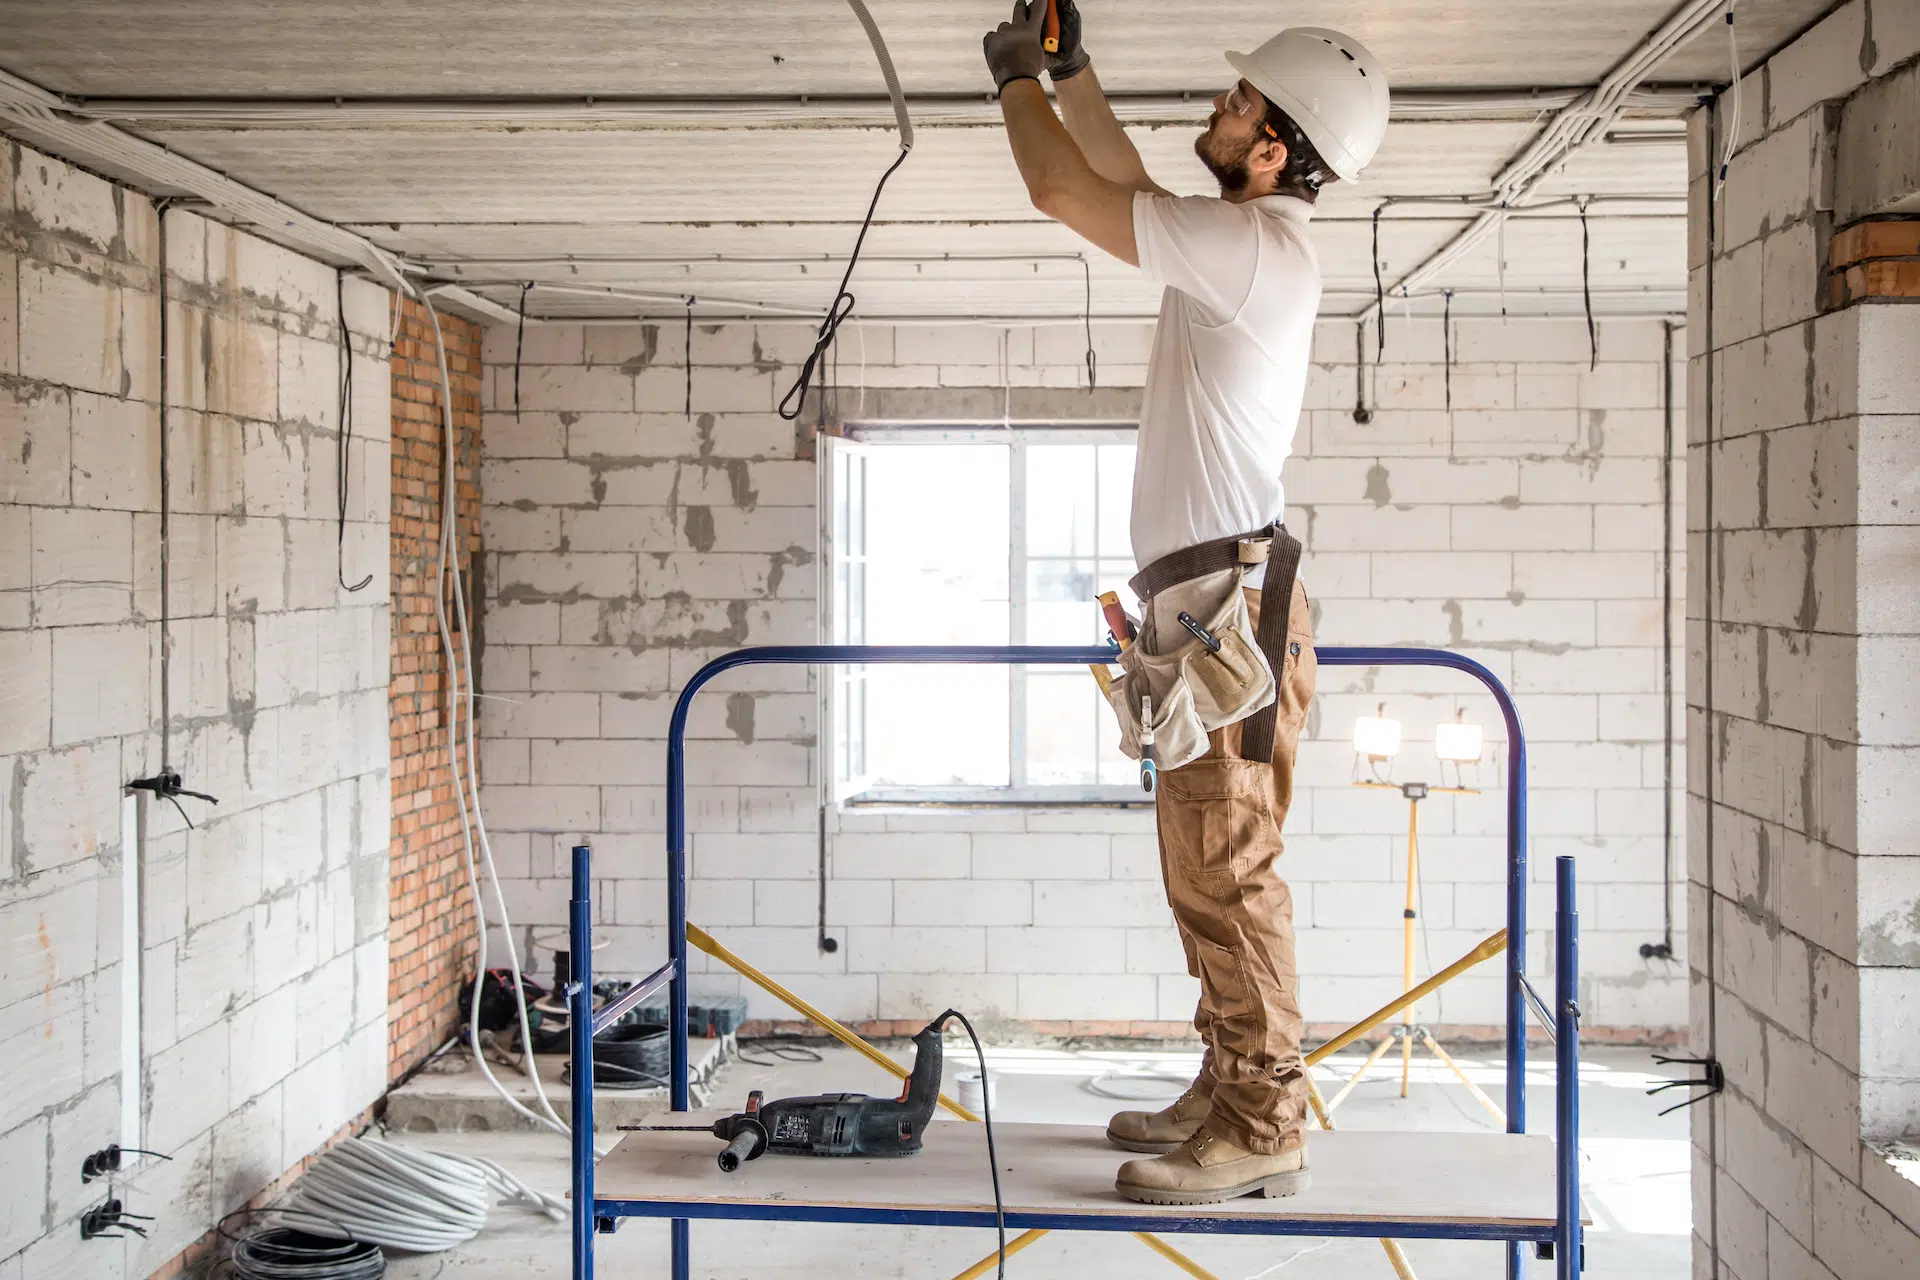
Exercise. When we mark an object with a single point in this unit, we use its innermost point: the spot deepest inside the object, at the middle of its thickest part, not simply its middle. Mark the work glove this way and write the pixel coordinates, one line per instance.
(1072, 58)
(1013, 48)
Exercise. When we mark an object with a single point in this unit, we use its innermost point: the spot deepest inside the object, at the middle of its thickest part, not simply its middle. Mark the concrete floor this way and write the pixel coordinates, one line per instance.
(1636, 1183)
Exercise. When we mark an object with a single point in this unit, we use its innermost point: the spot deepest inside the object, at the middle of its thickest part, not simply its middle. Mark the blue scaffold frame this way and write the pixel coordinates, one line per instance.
(1563, 1238)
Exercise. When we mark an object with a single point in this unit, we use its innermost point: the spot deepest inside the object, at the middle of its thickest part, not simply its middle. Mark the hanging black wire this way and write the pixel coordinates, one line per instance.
(1086, 270)
(1379, 292)
(343, 476)
(689, 361)
(1361, 413)
(519, 345)
(1446, 342)
(795, 401)
(1586, 291)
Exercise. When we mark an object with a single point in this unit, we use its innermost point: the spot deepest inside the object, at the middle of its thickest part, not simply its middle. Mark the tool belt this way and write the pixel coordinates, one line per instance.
(1192, 687)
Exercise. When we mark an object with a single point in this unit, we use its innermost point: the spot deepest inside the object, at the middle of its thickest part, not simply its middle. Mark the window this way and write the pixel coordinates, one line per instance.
(977, 537)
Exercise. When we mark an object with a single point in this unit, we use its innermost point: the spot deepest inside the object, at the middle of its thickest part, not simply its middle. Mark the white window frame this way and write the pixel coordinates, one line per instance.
(842, 566)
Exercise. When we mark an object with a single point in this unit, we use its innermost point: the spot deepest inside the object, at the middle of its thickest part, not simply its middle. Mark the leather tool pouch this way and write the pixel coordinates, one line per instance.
(1194, 689)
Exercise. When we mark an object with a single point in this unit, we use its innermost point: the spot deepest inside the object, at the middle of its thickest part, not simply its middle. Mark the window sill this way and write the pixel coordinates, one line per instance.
(996, 799)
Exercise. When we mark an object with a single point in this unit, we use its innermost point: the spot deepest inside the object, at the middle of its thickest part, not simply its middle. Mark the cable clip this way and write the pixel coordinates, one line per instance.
(107, 1160)
(168, 785)
(1714, 1079)
(98, 1222)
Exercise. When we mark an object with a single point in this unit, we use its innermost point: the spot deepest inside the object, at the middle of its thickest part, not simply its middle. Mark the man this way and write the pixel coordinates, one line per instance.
(1222, 398)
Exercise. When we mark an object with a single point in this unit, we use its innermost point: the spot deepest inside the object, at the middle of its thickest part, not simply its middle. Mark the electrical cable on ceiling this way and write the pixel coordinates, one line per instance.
(1586, 291)
(344, 475)
(1446, 342)
(519, 347)
(1087, 270)
(795, 401)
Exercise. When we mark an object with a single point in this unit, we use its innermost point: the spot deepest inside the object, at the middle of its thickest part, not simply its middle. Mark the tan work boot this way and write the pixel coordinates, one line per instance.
(1158, 1132)
(1208, 1170)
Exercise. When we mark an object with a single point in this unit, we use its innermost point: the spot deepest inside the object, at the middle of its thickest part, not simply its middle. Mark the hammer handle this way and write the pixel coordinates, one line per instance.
(1051, 41)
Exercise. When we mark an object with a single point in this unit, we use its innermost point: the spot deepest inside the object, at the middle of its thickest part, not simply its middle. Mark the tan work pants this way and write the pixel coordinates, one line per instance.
(1219, 819)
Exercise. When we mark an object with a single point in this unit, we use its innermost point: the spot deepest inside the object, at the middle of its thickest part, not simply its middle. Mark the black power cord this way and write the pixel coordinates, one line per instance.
(519, 347)
(986, 1114)
(795, 400)
(343, 475)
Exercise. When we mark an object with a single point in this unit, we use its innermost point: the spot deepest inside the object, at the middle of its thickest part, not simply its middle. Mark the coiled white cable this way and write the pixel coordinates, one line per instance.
(407, 1198)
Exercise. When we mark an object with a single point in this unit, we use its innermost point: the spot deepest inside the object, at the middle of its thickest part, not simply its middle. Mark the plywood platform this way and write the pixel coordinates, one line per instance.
(1462, 1185)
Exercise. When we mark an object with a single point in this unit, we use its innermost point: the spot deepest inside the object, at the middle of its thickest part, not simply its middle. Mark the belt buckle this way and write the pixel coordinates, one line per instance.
(1253, 550)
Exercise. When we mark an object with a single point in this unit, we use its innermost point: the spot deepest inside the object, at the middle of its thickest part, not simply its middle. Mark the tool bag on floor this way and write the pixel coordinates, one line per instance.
(1191, 687)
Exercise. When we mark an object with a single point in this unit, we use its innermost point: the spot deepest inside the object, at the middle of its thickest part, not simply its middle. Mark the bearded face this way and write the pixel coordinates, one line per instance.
(1226, 153)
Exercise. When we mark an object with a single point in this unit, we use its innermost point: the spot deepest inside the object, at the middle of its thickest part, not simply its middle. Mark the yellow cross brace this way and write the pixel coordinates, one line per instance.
(1491, 946)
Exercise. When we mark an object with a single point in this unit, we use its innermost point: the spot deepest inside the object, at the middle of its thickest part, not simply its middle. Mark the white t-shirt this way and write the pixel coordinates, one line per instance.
(1229, 364)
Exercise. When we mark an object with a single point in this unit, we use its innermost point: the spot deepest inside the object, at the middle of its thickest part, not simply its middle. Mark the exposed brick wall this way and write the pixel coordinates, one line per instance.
(431, 931)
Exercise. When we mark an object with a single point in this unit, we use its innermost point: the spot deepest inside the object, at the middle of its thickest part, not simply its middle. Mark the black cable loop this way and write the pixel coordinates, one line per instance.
(795, 401)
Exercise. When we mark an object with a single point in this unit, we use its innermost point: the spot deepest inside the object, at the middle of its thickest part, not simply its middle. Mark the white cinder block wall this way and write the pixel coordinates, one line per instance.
(628, 544)
(1804, 624)
(262, 931)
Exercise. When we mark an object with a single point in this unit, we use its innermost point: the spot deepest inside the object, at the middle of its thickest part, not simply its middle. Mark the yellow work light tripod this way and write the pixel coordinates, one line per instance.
(1410, 1028)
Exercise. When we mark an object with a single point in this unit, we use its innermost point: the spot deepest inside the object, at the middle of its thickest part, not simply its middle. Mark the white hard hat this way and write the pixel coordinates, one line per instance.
(1332, 88)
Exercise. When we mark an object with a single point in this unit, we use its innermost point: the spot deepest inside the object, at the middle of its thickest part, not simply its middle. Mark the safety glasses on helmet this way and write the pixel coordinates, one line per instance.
(1240, 102)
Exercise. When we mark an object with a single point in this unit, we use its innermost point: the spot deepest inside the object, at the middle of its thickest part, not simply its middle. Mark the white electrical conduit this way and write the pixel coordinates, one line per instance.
(826, 112)
(472, 825)
(406, 1198)
(1570, 129)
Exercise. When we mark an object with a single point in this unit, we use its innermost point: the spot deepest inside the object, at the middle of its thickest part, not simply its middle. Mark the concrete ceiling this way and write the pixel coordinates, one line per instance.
(765, 210)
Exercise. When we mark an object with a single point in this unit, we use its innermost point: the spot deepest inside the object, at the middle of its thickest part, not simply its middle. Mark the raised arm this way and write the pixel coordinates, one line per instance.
(1084, 110)
(1060, 181)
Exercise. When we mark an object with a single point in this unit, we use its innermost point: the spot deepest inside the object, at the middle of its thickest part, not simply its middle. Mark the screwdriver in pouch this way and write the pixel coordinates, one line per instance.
(1205, 636)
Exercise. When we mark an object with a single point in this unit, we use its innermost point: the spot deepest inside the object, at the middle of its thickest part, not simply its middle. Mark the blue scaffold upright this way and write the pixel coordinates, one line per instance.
(1560, 1238)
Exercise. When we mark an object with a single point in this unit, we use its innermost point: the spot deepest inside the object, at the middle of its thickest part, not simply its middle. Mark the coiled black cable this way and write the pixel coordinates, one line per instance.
(629, 1056)
(280, 1252)
(284, 1253)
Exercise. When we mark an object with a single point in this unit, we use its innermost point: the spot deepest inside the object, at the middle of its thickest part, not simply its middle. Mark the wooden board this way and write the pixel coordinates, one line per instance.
(1472, 1180)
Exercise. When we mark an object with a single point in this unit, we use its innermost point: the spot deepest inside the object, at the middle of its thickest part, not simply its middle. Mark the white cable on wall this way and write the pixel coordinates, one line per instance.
(460, 706)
